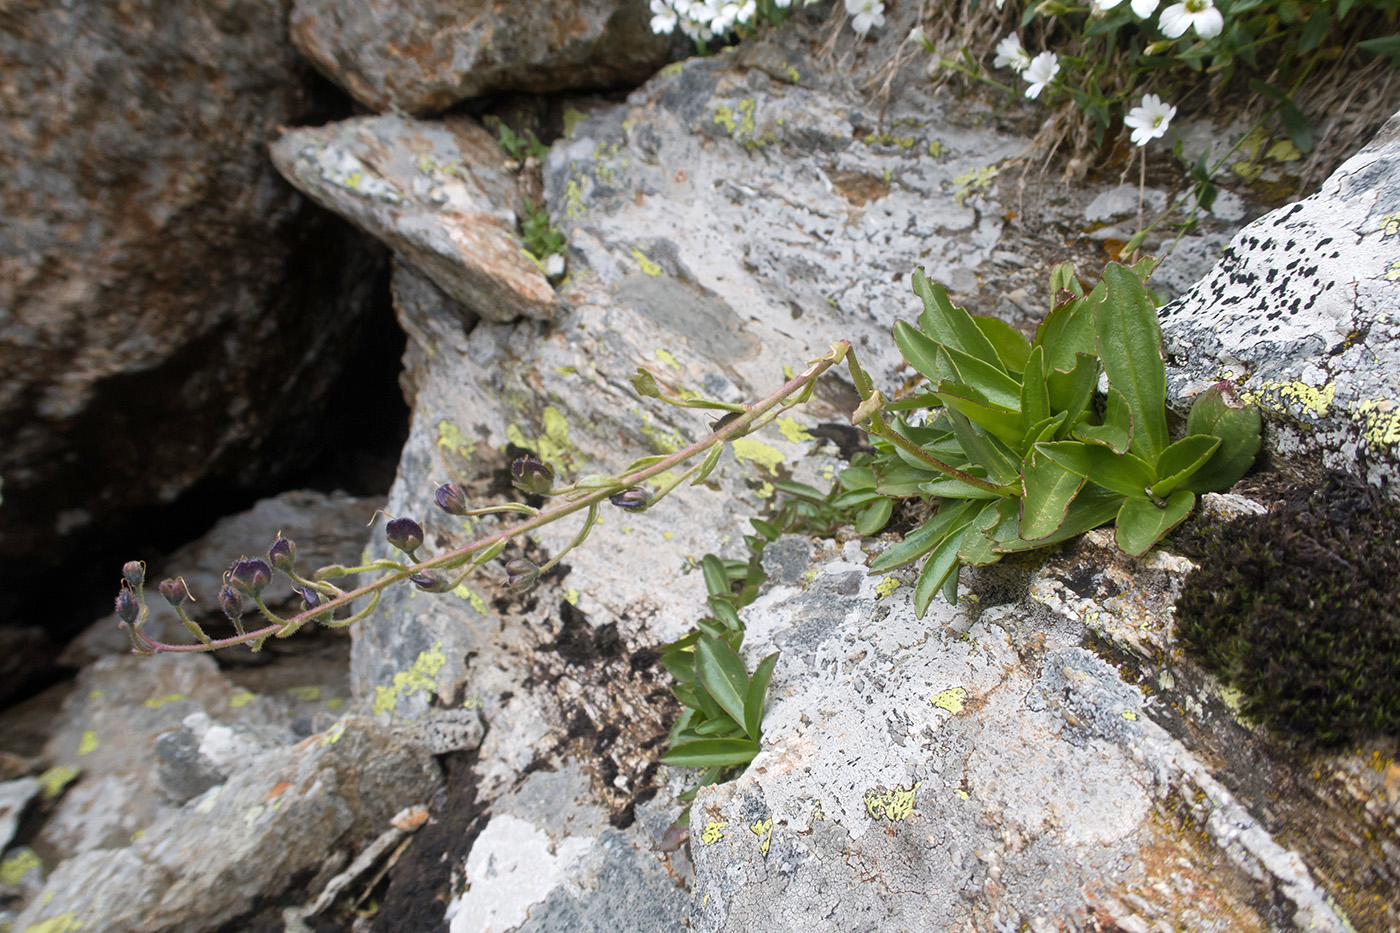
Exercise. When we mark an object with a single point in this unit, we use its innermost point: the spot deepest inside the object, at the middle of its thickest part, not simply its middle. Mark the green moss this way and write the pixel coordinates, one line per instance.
(1299, 610)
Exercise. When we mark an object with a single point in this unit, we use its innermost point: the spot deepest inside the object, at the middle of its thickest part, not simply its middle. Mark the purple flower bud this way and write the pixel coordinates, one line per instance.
(310, 599)
(451, 498)
(250, 576)
(404, 534)
(174, 591)
(231, 602)
(430, 582)
(283, 554)
(521, 575)
(134, 573)
(634, 499)
(531, 475)
(127, 606)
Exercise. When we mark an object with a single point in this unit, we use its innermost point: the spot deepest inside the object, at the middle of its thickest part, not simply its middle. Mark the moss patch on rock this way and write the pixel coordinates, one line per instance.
(1299, 610)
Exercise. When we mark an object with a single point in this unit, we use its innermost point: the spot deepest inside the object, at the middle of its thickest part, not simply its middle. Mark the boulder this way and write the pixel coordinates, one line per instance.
(170, 311)
(1299, 314)
(424, 56)
(436, 193)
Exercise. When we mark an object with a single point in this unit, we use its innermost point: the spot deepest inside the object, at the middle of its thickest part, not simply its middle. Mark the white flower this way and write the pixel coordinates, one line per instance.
(1149, 121)
(1040, 72)
(1199, 14)
(664, 19)
(1000, 4)
(1144, 8)
(783, 4)
(1101, 5)
(1011, 54)
(865, 14)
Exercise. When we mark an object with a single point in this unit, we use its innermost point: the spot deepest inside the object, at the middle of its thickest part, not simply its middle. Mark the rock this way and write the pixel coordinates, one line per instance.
(426, 55)
(172, 312)
(204, 864)
(435, 192)
(326, 528)
(1298, 314)
(14, 797)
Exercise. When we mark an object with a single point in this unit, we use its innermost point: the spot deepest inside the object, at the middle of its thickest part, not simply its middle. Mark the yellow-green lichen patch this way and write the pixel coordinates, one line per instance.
(1390, 224)
(713, 832)
(666, 357)
(333, 734)
(665, 440)
(1380, 422)
(951, 699)
(1292, 398)
(793, 431)
(571, 597)
(451, 437)
(671, 70)
(335, 704)
(553, 445)
(887, 586)
(571, 118)
(306, 694)
(57, 778)
(974, 181)
(765, 491)
(668, 535)
(1392, 272)
(763, 829)
(750, 450)
(1130, 715)
(936, 148)
(240, 699)
(88, 743)
(14, 868)
(66, 922)
(566, 370)
(896, 805)
(573, 198)
(421, 676)
(471, 596)
(645, 264)
(158, 702)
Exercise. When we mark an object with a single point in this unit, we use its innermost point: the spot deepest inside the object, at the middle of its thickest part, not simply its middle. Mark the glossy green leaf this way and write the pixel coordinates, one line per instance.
(857, 497)
(1068, 331)
(1063, 278)
(1071, 392)
(713, 628)
(758, 692)
(680, 665)
(924, 538)
(1142, 524)
(914, 403)
(721, 672)
(765, 529)
(991, 381)
(921, 352)
(1090, 509)
(707, 466)
(723, 726)
(723, 610)
(1047, 490)
(1035, 397)
(1011, 345)
(996, 458)
(1003, 423)
(800, 490)
(716, 580)
(644, 462)
(875, 516)
(1217, 412)
(948, 324)
(1045, 430)
(977, 544)
(1181, 460)
(1125, 474)
(1130, 347)
(1103, 435)
(942, 562)
(853, 478)
(708, 753)
(951, 488)
(902, 480)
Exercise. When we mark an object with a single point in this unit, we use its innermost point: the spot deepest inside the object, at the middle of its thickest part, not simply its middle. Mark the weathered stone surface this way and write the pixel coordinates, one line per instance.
(206, 863)
(435, 192)
(1299, 313)
(979, 768)
(14, 797)
(164, 298)
(426, 55)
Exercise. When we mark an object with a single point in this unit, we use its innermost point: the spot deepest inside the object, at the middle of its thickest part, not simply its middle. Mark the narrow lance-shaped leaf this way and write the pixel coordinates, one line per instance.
(1048, 489)
(721, 672)
(987, 452)
(1003, 423)
(942, 562)
(1141, 523)
(758, 692)
(1011, 345)
(1130, 346)
(1182, 460)
(948, 324)
(1124, 474)
(709, 753)
(1035, 397)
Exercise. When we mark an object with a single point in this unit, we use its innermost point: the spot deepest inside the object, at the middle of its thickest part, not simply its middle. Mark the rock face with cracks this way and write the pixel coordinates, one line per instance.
(1300, 314)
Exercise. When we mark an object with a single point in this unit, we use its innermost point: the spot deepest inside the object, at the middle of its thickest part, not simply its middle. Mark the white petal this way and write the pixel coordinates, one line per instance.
(1175, 20)
(1144, 8)
(1209, 23)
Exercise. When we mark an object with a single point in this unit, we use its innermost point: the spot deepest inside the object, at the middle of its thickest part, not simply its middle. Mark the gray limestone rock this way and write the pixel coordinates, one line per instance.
(436, 194)
(170, 310)
(421, 56)
(1300, 314)
(201, 865)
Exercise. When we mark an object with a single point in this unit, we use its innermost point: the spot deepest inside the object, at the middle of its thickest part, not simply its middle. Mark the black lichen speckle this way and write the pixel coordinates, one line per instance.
(1299, 610)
